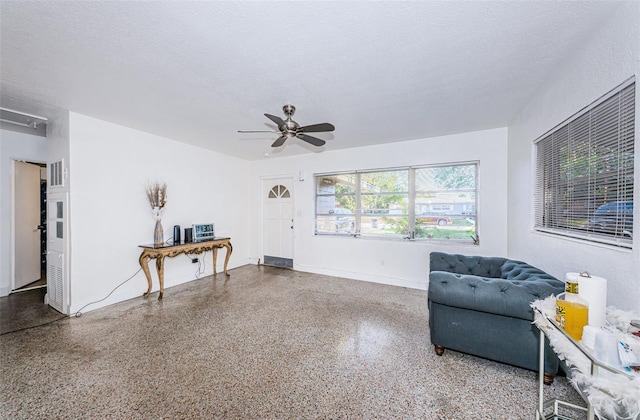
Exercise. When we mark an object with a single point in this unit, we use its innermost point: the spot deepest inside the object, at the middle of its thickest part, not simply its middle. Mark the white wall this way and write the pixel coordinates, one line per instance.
(58, 142)
(13, 145)
(110, 214)
(606, 59)
(405, 263)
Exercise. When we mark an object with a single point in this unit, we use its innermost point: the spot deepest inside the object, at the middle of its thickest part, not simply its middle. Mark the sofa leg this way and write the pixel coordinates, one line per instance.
(548, 378)
(440, 350)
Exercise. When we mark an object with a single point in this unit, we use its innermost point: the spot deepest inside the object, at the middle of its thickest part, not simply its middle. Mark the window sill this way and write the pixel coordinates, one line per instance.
(621, 247)
(398, 239)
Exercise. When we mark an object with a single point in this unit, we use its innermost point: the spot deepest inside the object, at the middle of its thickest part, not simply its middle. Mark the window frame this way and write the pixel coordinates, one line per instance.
(566, 199)
(411, 203)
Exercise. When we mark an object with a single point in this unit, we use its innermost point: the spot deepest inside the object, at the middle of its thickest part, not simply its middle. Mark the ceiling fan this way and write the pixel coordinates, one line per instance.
(289, 128)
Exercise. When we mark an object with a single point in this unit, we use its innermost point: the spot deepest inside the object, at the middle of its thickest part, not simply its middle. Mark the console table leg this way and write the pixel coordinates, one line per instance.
(160, 268)
(144, 263)
(215, 258)
(226, 258)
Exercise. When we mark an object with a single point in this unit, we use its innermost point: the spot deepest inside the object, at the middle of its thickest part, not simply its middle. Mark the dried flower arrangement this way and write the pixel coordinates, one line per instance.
(157, 194)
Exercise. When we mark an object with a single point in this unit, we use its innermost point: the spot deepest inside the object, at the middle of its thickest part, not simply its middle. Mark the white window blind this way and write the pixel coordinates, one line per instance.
(584, 172)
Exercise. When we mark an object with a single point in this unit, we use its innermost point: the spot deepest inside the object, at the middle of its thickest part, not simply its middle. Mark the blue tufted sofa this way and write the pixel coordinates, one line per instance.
(481, 306)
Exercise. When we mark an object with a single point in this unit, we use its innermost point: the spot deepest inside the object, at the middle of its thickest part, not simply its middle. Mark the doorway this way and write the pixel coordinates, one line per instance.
(28, 227)
(277, 200)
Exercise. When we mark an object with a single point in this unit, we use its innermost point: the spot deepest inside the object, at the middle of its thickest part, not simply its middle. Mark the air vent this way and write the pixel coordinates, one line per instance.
(55, 281)
(56, 174)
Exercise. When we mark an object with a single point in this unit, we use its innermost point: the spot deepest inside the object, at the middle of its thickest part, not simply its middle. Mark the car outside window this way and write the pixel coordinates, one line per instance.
(613, 219)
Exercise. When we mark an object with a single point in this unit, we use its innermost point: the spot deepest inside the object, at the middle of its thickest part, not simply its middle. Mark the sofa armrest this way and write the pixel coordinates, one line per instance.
(492, 295)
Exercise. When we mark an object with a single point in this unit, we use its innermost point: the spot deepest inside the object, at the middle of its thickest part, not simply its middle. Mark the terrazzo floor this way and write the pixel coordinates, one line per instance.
(266, 343)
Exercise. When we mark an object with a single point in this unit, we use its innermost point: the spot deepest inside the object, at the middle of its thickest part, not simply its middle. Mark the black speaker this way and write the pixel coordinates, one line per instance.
(176, 234)
(188, 235)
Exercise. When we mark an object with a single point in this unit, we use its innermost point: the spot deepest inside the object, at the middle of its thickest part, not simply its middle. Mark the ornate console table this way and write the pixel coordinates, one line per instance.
(159, 252)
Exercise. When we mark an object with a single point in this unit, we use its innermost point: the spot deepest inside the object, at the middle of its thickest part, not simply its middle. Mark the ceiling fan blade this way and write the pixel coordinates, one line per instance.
(279, 142)
(309, 139)
(275, 119)
(257, 131)
(316, 128)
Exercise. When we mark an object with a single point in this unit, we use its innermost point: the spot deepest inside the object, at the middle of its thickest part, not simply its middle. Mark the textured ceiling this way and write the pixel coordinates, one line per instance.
(197, 72)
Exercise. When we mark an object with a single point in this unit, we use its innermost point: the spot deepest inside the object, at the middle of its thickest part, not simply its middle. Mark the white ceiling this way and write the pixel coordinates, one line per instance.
(197, 72)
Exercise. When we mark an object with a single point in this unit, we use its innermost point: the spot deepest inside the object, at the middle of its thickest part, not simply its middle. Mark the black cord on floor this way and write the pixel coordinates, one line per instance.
(78, 314)
(35, 326)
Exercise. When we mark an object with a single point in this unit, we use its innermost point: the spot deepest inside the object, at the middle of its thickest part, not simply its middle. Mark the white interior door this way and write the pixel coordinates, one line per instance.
(278, 222)
(26, 202)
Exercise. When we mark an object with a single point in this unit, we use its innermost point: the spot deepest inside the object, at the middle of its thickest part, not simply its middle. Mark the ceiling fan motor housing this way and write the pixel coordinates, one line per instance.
(291, 127)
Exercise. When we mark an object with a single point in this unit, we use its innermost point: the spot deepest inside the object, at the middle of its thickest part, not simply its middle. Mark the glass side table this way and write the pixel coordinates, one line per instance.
(588, 365)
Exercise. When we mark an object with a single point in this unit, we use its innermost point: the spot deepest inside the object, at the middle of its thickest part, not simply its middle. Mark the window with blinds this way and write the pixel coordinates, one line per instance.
(584, 172)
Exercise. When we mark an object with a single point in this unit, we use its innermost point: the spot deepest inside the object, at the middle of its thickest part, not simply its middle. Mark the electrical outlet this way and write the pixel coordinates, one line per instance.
(194, 260)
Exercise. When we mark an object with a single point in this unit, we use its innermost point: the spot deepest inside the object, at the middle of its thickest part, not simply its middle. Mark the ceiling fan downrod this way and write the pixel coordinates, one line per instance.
(291, 127)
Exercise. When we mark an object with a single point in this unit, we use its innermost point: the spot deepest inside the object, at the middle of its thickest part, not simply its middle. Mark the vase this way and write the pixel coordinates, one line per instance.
(158, 234)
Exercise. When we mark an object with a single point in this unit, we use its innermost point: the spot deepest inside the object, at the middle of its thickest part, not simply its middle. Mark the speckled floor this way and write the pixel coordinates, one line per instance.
(266, 343)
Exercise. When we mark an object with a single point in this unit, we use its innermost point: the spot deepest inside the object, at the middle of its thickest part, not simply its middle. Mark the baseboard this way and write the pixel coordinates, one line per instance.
(392, 281)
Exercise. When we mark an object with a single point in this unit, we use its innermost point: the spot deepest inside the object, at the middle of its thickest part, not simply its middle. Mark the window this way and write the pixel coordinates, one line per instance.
(279, 191)
(430, 202)
(584, 172)
(445, 202)
(384, 203)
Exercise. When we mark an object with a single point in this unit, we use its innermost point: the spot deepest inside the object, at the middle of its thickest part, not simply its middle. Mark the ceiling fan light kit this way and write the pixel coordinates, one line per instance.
(289, 128)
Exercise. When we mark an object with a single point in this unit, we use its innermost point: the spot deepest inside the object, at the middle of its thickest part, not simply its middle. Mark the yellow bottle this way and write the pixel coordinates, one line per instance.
(572, 311)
